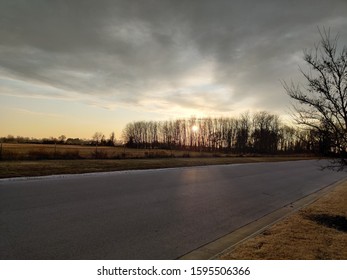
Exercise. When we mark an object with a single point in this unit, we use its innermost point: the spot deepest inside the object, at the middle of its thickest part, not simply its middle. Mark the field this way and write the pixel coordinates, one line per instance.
(20, 160)
(51, 151)
(43, 151)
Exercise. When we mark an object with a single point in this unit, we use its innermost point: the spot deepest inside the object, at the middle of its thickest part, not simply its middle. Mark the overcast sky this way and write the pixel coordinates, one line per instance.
(75, 67)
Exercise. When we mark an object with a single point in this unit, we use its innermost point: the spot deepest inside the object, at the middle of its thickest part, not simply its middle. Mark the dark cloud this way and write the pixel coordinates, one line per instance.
(165, 52)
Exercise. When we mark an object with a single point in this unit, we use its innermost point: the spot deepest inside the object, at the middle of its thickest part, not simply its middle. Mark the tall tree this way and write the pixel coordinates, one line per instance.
(242, 133)
(266, 132)
(112, 139)
(322, 104)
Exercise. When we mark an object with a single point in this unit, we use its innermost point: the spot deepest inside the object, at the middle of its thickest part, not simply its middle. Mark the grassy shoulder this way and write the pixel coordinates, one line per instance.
(318, 231)
(25, 168)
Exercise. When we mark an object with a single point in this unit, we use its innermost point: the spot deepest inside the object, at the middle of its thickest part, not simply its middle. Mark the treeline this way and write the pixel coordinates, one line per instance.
(98, 138)
(261, 132)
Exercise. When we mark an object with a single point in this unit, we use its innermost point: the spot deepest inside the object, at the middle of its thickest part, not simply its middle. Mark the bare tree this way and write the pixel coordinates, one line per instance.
(97, 136)
(265, 132)
(62, 139)
(242, 133)
(323, 102)
(112, 140)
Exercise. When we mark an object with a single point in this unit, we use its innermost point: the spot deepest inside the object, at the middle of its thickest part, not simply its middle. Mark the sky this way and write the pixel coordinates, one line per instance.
(76, 67)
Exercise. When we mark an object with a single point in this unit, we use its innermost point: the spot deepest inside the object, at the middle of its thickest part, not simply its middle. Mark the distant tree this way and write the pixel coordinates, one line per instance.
(50, 140)
(322, 104)
(242, 133)
(10, 139)
(287, 138)
(73, 141)
(103, 141)
(266, 132)
(112, 140)
(128, 135)
(97, 137)
(62, 139)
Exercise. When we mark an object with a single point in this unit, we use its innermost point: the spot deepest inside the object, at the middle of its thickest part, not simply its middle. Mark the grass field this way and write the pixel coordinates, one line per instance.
(316, 232)
(44, 151)
(20, 160)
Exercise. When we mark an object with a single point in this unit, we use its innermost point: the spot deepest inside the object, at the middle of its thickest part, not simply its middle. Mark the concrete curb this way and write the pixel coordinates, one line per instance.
(219, 246)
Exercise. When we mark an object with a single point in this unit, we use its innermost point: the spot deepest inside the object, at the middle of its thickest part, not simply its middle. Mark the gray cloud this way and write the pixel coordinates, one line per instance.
(137, 52)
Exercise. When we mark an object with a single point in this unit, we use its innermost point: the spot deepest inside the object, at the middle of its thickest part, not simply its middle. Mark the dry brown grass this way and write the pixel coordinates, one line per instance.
(318, 231)
(20, 160)
(48, 151)
(51, 151)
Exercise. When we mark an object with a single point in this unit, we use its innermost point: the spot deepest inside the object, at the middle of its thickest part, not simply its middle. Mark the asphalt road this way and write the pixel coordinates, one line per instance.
(152, 214)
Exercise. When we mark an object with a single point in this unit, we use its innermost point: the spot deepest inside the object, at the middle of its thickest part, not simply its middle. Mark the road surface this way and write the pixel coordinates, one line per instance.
(151, 214)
